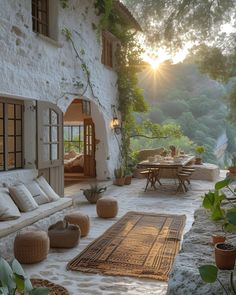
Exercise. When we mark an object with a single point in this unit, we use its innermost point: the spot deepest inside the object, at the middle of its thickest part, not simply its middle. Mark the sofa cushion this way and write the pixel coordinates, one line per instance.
(23, 198)
(28, 218)
(8, 209)
(51, 194)
(38, 194)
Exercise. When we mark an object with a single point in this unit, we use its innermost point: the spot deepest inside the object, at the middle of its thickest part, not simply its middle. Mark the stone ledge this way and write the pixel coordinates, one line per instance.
(196, 250)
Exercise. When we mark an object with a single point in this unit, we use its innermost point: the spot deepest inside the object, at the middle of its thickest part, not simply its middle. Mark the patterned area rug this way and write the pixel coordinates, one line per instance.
(54, 289)
(140, 244)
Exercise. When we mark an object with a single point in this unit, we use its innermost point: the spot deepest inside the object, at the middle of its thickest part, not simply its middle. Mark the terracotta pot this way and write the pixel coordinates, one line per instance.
(225, 255)
(128, 179)
(218, 239)
(119, 181)
(232, 169)
(198, 161)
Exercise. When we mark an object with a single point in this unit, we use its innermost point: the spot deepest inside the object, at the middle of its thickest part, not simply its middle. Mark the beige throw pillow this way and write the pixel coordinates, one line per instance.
(38, 194)
(23, 198)
(8, 209)
(53, 196)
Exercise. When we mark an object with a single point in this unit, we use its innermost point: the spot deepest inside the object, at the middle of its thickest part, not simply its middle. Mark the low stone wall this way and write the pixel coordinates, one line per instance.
(197, 250)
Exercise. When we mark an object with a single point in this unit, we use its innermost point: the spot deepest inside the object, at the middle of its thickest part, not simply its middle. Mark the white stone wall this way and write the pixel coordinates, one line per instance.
(37, 68)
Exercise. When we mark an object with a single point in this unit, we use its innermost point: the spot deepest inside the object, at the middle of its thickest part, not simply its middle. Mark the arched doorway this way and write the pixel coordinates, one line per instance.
(79, 141)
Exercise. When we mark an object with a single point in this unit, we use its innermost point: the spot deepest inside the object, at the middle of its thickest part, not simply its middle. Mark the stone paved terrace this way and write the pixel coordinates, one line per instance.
(130, 198)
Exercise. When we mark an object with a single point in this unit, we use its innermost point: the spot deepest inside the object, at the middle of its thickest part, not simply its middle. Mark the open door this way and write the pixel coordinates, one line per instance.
(50, 145)
(89, 148)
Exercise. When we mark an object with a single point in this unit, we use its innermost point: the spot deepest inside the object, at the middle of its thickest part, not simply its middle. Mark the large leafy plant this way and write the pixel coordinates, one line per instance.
(13, 280)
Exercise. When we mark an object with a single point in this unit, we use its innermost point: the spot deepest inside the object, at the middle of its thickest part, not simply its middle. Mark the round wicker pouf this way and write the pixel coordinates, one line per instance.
(107, 207)
(31, 247)
(64, 237)
(80, 219)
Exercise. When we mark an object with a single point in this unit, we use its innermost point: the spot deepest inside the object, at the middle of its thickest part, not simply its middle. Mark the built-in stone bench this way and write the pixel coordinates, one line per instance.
(206, 171)
(197, 250)
(41, 218)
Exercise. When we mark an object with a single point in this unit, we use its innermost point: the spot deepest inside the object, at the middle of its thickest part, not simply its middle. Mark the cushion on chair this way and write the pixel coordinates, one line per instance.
(8, 209)
(51, 194)
(23, 198)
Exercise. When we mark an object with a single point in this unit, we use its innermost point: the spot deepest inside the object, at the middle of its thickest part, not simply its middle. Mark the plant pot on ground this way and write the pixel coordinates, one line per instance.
(218, 238)
(119, 176)
(128, 176)
(93, 193)
(199, 151)
(225, 255)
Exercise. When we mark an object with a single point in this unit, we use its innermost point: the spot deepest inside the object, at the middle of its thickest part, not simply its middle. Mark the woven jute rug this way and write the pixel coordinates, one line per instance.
(54, 289)
(140, 244)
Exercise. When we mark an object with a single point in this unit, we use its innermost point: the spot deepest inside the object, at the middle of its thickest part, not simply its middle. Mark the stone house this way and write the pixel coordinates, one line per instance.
(45, 89)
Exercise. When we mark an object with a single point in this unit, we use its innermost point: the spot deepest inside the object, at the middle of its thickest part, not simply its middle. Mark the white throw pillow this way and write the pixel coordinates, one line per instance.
(8, 209)
(38, 194)
(53, 196)
(23, 198)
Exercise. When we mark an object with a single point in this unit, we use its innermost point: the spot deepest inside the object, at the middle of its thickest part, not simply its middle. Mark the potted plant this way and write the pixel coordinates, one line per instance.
(199, 151)
(119, 176)
(225, 255)
(13, 280)
(93, 193)
(128, 176)
(232, 168)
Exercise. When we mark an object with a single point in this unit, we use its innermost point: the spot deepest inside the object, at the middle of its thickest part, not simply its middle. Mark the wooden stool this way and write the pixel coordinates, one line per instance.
(31, 246)
(80, 219)
(152, 176)
(107, 207)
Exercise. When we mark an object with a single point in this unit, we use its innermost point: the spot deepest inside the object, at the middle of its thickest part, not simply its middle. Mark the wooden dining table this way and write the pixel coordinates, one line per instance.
(175, 165)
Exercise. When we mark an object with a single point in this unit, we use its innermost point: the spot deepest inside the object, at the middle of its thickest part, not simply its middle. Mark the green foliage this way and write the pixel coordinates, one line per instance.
(94, 189)
(13, 279)
(208, 273)
(119, 172)
(199, 150)
(233, 160)
(64, 3)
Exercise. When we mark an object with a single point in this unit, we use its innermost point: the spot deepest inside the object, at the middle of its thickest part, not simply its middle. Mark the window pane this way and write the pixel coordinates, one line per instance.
(66, 133)
(1, 144)
(18, 127)
(46, 132)
(11, 161)
(54, 118)
(54, 131)
(46, 116)
(18, 144)
(54, 149)
(18, 160)
(11, 129)
(18, 112)
(46, 152)
(1, 109)
(11, 111)
(1, 162)
(11, 144)
(1, 127)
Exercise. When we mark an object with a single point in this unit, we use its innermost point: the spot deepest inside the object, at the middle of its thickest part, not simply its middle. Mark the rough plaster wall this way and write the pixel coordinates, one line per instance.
(35, 68)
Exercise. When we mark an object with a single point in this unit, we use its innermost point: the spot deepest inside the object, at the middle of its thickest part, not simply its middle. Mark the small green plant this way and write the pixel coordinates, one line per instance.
(199, 150)
(119, 172)
(94, 189)
(13, 280)
(233, 160)
(209, 274)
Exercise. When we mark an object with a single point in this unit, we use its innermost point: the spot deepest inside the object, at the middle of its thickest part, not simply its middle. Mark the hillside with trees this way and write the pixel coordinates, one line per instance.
(180, 94)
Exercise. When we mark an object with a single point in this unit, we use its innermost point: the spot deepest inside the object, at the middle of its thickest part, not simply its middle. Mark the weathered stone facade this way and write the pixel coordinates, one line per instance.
(34, 67)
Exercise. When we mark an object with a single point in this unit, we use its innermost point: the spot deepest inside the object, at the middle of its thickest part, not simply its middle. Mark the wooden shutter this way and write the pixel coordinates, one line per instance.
(50, 145)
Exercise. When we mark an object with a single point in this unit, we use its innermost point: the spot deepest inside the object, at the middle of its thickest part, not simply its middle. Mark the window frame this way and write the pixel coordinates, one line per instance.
(109, 42)
(80, 142)
(6, 102)
(37, 21)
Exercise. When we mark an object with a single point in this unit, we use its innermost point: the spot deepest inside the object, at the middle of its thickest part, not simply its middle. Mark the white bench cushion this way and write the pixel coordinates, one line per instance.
(28, 218)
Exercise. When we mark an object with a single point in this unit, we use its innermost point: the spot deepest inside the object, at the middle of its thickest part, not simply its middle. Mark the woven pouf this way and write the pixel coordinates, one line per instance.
(80, 219)
(63, 235)
(107, 207)
(31, 247)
